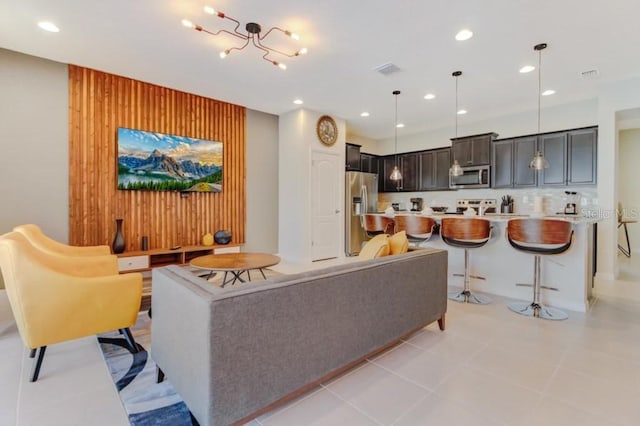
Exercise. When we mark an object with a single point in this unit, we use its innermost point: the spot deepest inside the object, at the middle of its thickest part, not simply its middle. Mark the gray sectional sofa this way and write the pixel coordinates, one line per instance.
(235, 353)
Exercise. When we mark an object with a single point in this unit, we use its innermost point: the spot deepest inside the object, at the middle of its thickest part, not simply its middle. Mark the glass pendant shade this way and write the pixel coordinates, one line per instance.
(395, 174)
(538, 162)
(455, 169)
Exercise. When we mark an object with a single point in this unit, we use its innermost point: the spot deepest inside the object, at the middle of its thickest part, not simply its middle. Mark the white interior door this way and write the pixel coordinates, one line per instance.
(325, 206)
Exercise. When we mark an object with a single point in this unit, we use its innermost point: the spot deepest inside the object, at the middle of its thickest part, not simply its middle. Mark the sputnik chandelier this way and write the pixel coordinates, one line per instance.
(253, 35)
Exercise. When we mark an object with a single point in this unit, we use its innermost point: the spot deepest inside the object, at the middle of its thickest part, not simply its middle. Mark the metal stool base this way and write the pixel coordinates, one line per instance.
(468, 297)
(538, 311)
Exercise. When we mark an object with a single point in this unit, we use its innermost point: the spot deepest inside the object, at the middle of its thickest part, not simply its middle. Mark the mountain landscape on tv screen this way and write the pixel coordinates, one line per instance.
(160, 162)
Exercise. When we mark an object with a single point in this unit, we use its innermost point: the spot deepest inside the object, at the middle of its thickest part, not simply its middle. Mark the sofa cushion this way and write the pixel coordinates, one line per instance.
(378, 246)
(398, 243)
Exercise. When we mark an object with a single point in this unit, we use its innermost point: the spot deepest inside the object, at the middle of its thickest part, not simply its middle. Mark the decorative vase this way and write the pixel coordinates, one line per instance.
(207, 239)
(118, 244)
(222, 237)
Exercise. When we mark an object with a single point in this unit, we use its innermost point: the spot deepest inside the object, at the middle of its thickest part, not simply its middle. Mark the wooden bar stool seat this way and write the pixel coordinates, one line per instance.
(466, 233)
(375, 224)
(417, 228)
(540, 237)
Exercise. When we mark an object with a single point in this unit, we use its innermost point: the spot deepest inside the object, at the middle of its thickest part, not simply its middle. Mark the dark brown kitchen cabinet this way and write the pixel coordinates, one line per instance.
(582, 156)
(434, 169)
(368, 163)
(352, 157)
(385, 184)
(524, 149)
(473, 150)
(554, 149)
(409, 170)
(502, 167)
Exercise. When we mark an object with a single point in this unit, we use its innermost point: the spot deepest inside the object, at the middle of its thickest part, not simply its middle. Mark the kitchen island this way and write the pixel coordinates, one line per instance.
(503, 266)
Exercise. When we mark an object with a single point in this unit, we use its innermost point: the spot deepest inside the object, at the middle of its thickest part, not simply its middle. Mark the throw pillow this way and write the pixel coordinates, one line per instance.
(398, 243)
(378, 246)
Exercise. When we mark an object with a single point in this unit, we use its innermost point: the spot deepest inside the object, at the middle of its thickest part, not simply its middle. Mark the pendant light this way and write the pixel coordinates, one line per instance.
(456, 169)
(395, 173)
(539, 162)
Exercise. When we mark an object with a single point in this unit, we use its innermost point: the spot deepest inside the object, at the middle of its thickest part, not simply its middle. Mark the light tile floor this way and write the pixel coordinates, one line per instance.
(490, 367)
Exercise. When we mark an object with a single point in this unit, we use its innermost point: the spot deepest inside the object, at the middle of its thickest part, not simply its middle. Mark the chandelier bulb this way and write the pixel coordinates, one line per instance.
(302, 51)
(224, 53)
(187, 23)
(210, 10)
(292, 35)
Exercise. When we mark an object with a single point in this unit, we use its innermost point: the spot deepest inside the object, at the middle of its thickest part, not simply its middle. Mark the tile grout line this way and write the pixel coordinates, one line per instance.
(349, 403)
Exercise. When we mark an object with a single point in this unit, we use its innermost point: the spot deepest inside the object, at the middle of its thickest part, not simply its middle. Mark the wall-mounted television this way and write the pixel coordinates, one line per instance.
(161, 162)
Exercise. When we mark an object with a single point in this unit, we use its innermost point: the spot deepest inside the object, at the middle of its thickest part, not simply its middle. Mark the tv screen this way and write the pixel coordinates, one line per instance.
(160, 162)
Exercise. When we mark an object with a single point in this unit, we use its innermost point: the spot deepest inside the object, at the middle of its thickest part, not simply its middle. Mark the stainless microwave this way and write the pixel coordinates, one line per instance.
(472, 177)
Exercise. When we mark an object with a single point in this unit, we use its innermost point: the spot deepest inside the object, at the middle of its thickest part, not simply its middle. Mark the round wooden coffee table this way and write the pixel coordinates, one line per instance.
(236, 264)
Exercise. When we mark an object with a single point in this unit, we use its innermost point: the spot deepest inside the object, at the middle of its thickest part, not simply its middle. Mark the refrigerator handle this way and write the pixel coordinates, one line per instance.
(365, 203)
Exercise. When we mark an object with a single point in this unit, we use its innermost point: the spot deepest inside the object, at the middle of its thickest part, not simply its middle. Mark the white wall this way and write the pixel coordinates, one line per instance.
(297, 132)
(612, 98)
(34, 175)
(261, 230)
(628, 194)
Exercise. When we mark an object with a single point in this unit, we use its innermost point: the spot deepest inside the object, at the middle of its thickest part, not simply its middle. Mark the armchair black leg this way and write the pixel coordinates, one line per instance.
(160, 374)
(37, 363)
(130, 341)
(32, 353)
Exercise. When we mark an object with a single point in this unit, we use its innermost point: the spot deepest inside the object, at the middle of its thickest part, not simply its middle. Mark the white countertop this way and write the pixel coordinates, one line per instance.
(501, 217)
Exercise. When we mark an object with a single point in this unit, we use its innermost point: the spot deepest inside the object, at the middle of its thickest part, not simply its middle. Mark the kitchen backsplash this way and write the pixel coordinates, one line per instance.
(555, 199)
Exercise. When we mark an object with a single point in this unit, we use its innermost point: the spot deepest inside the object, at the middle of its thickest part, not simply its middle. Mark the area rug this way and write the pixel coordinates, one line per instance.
(146, 402)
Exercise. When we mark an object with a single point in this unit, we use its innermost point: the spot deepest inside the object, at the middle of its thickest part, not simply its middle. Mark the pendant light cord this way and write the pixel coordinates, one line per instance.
(539, 84)
(456, 111)
(396, 93)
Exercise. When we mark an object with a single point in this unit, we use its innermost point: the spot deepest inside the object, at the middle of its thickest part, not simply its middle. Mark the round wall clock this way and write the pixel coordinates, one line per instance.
(327, 130)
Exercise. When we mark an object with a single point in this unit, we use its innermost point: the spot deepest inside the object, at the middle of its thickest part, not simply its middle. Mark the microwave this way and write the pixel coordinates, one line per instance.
(472, 177)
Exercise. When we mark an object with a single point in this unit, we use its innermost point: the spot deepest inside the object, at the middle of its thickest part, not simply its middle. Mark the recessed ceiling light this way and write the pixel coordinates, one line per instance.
(527, 68)
(464, 35)
(399, 125)
(364, 114)
(49, 26)
(429, 96)
(298, 102)
(548, 92)
(462, 111)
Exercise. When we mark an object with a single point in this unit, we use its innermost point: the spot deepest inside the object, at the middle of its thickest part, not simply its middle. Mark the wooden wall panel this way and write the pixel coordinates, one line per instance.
(99, 103)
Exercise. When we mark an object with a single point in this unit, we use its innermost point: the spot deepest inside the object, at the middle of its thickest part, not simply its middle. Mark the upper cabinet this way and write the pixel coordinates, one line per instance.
(368, 163)
(571, 155)
(434, 169)
(473, 150)
(582, 156)
(352, 157)
(421, 171)
(502, 168)
(554, 149)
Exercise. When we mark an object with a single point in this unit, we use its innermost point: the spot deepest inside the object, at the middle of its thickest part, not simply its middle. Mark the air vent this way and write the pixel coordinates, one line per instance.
(590, 75)
(386, 69)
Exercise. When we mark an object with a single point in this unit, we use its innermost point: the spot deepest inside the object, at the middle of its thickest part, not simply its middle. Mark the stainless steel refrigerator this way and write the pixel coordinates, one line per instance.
(361, 196)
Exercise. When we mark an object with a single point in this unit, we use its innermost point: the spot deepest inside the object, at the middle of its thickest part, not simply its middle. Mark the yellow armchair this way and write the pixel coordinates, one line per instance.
(54, 298)
(38, 239)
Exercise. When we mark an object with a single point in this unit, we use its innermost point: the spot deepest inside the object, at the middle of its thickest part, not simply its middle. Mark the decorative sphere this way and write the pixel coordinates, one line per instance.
(207, 239)
(222, 237)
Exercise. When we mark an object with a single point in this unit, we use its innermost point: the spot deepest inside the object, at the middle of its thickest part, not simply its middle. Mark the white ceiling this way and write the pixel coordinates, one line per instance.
(144, 39)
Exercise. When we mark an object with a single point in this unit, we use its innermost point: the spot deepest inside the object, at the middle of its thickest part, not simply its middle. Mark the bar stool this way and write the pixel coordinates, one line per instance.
(375, 224)
(466, 233)
(623, 221)
(418, 228)
(540, 237)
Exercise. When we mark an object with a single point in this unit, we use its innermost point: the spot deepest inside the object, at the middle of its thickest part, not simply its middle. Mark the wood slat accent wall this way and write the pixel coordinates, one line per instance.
(99, 103)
